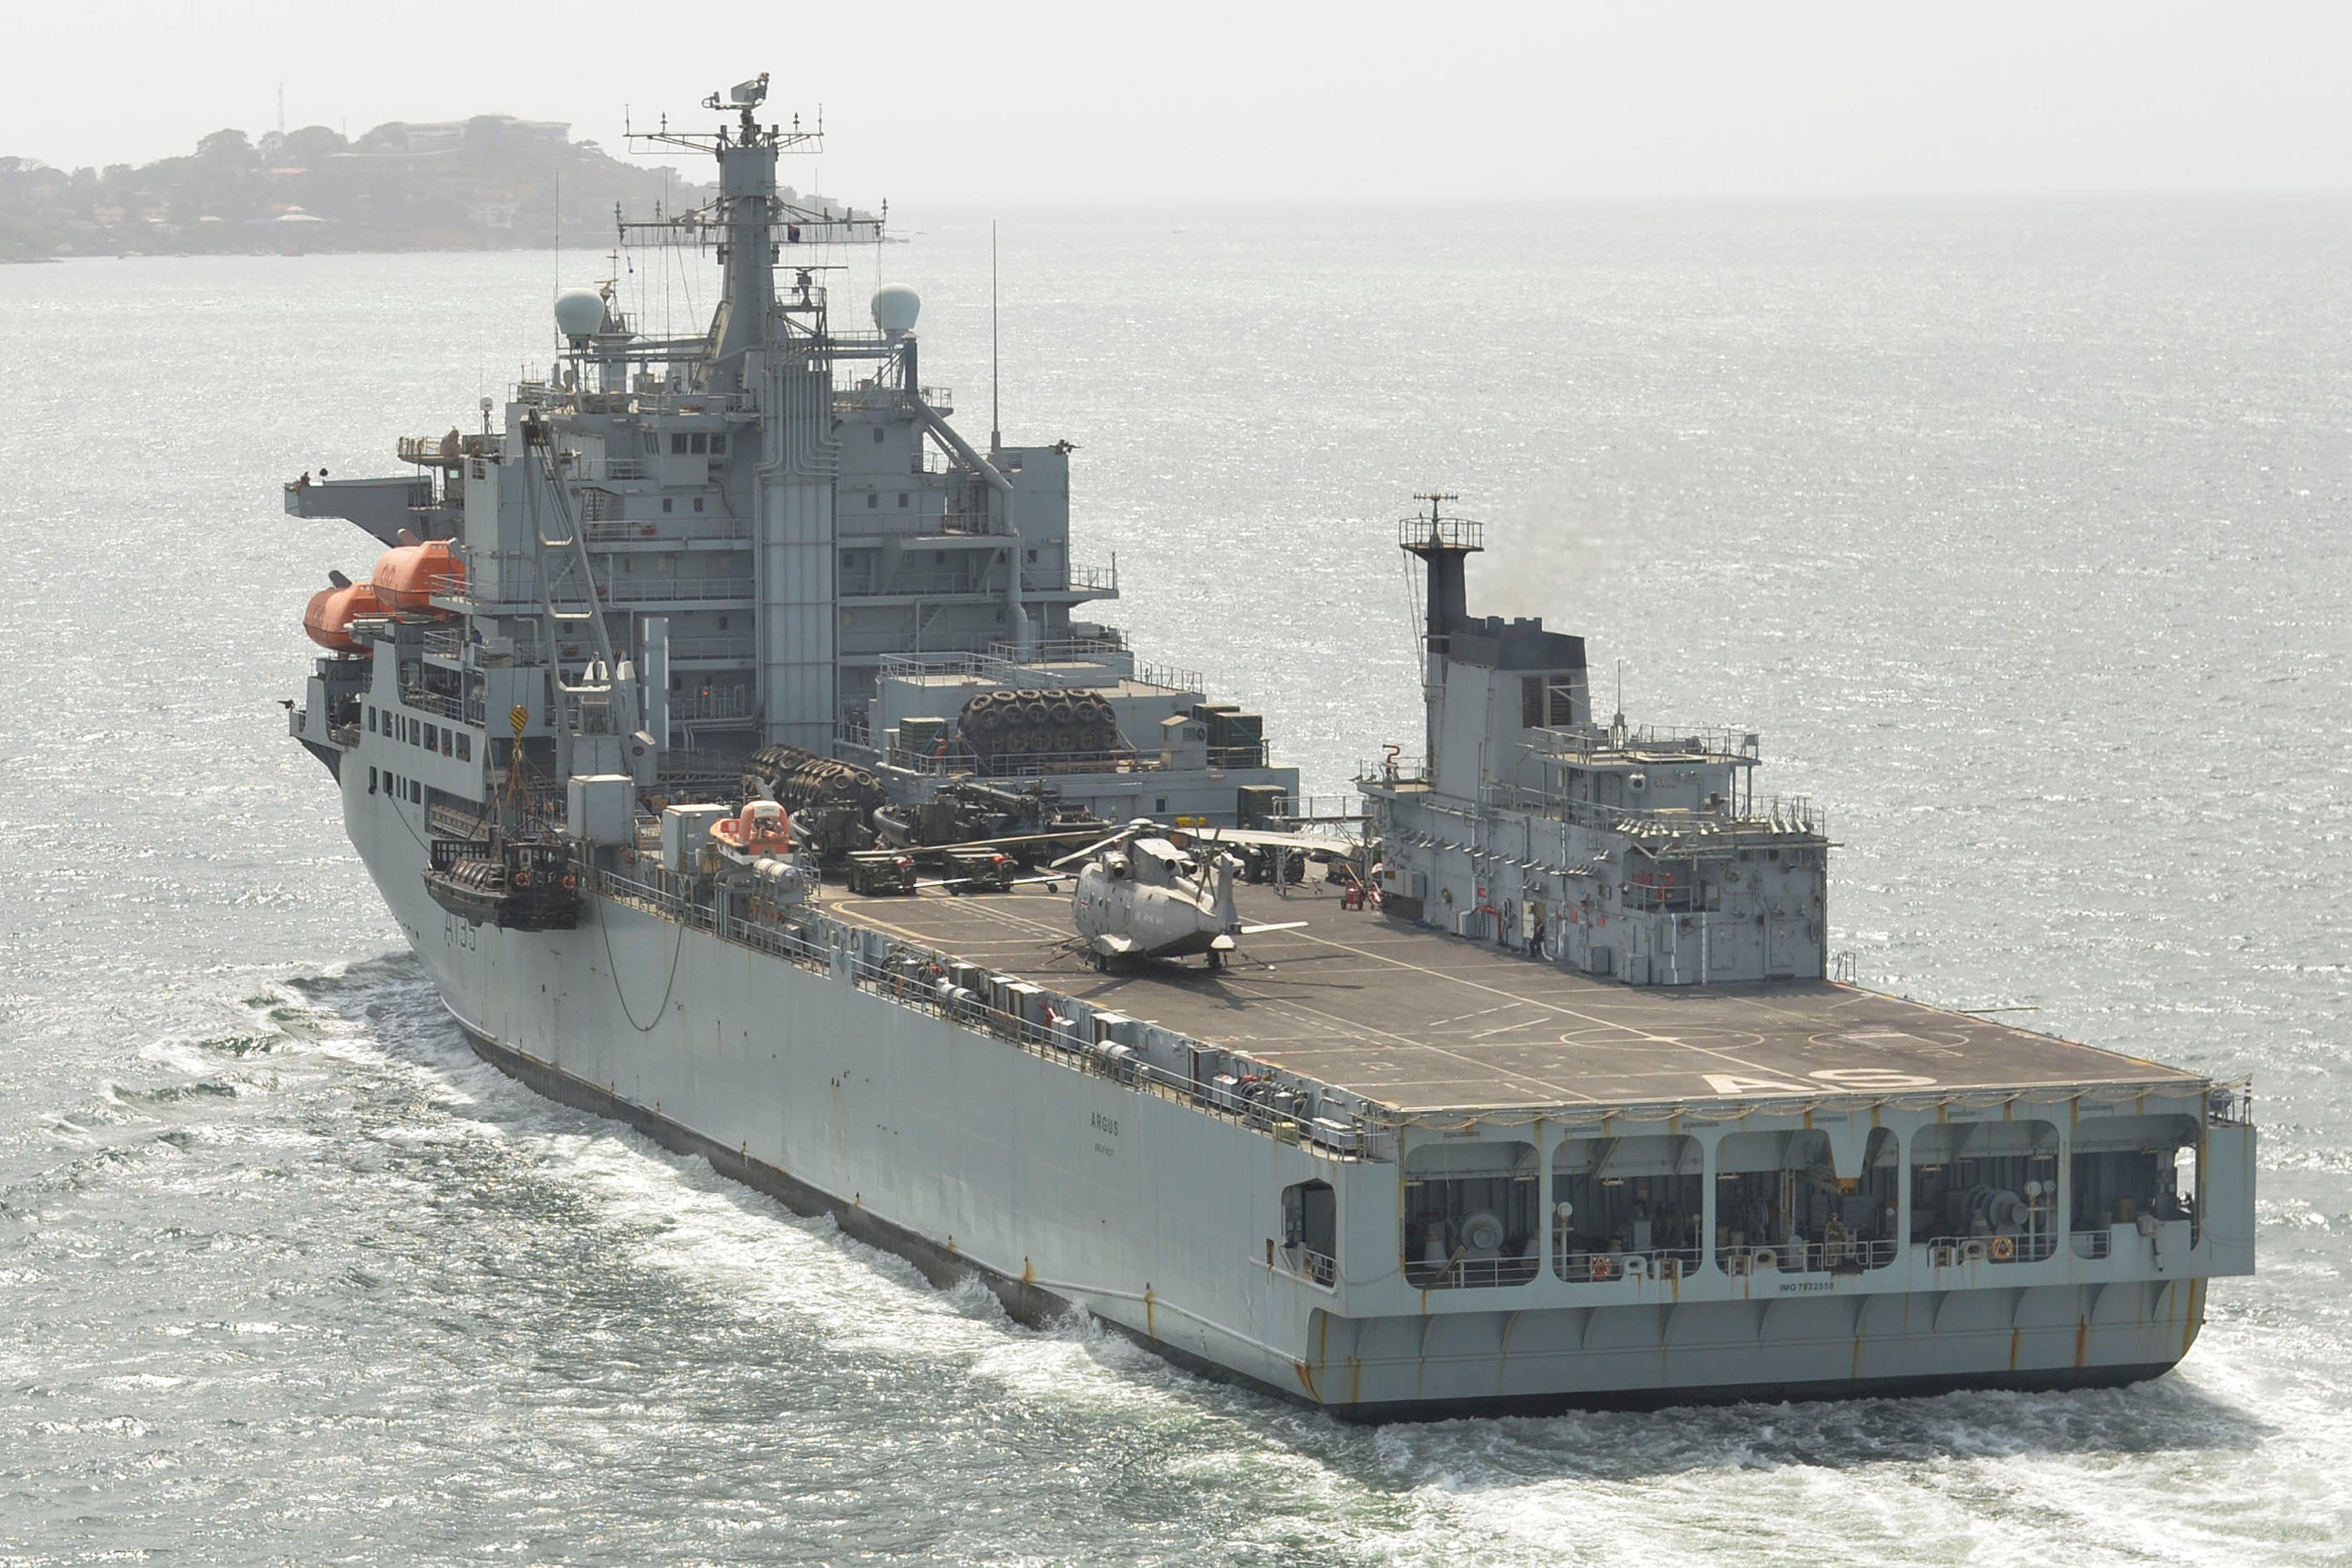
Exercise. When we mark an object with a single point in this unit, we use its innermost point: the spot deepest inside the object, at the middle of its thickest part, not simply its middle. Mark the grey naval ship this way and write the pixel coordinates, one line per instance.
(723, 730)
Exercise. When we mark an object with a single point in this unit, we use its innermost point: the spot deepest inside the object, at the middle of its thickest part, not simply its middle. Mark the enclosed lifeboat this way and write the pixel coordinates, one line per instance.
(328, 620)
(407, 575)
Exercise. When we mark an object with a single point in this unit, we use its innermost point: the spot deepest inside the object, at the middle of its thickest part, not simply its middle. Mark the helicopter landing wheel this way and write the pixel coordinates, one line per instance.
(1216, 958)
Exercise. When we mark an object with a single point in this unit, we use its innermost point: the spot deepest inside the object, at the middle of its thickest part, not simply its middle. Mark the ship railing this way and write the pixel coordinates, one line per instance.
(1713, 742)
(624, 530)
(1581, 1265)
(635, 589)
(1105, 646)
(1085, 578)
(731, 702)
(1037, 672)
(2094, 1243)
(1045, 764)
(1169, 678)
(916, 978)
(1302, 1262)
(711, 648)
(930, 584)
(1955, 1251)
(2232, 1102)
(447, 706)
(1779, 813)
(1812, 1256)
(344, 735)
(1391, 771)
(857, 525)
(1470, 1273)
(1447, 532)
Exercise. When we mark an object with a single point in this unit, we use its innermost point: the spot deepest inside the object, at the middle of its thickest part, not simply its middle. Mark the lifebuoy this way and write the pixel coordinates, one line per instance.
(1598, 1266)
(569, 881)
(2003, 1249)
(522, 878)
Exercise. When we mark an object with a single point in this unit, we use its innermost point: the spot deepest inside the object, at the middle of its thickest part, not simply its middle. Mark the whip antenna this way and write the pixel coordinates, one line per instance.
(995, 426)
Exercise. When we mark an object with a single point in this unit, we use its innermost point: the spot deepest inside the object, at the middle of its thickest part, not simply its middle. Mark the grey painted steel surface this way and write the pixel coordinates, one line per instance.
(1610, 1138)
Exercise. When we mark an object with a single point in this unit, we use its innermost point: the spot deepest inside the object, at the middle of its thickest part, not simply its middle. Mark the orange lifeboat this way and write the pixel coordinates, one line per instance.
(407, 575)
(761, 828)
(328, 621)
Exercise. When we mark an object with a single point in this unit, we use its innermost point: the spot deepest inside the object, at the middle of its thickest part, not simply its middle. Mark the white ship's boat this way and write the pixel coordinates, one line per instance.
(1533, 1093)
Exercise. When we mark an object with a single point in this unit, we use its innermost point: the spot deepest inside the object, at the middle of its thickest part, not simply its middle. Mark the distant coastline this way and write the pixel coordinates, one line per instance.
(490, 183)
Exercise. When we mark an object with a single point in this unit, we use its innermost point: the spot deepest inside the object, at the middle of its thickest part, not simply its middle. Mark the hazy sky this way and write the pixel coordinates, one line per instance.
(1013, 100)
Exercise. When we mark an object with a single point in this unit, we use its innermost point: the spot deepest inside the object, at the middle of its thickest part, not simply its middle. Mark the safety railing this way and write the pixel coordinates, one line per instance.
(1086, 579)
(1786, 815)
(447, 706)
(704, 590)
(690, 530)
(1107, 645)
(919, 978)
(1952, 1251)
(1809, 1257)
(1470, 1273)
(732, 702)
(1708, 741)
(1591, 1265)
(1302, 1262)
(711, 648)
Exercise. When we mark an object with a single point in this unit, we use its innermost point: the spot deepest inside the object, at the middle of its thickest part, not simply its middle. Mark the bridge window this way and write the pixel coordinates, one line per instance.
(1471, 1215)
(677, 443)
(1627, 1206)
(878, 433)
(1310, 1232)
(719, 442)
(1985, 1190)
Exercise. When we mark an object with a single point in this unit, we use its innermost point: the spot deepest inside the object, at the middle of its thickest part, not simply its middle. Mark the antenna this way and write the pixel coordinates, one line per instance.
(995, 428)
(1617, 724)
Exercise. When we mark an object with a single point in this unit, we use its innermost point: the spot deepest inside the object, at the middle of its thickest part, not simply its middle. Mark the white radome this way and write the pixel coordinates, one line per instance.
(579, 312)
(896, 306)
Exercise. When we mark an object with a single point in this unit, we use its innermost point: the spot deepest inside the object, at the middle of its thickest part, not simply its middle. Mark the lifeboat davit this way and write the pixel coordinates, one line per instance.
(761, 828)
(407, 575)
(328, 621)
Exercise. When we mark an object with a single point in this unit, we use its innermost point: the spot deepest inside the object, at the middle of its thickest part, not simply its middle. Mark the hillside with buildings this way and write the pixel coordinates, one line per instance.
(490, 183)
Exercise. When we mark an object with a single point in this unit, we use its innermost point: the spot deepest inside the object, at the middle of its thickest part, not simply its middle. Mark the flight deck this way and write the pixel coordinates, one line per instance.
(1418, 1021)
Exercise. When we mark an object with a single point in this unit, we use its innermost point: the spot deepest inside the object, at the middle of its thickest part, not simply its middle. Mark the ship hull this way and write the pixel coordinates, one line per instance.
(1062, 1189)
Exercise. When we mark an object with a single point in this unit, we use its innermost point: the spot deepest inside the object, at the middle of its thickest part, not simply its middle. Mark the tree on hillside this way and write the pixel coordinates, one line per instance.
(226, 146)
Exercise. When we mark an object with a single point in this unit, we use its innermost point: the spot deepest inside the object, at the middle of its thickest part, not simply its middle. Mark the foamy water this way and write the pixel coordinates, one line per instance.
(2016, 531)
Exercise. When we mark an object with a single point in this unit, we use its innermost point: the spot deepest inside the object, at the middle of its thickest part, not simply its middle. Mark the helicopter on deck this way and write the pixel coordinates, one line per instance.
(1148, 891)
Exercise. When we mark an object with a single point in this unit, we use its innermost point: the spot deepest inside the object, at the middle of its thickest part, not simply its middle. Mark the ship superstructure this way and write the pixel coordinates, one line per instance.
(1533, 1093)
